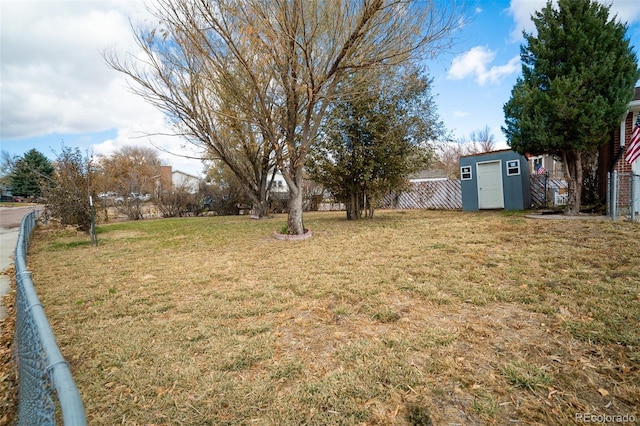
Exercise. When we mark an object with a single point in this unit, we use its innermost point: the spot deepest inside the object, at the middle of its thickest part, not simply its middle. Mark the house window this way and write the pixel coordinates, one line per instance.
(513, 168)
(537, 165)
(465, 173)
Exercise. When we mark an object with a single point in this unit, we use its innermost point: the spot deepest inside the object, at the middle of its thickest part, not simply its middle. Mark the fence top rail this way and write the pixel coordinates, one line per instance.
(70, 402)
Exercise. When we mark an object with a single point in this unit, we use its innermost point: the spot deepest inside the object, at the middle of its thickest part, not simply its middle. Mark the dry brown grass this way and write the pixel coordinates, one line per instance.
(8, 373)
(411, 318)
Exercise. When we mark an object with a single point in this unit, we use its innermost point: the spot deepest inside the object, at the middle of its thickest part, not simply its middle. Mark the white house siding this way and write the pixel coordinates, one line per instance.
(184, 180)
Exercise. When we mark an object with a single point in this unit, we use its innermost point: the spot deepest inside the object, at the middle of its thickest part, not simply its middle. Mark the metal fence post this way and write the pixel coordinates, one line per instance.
(634, 192)
(609, 212)
(614, 195)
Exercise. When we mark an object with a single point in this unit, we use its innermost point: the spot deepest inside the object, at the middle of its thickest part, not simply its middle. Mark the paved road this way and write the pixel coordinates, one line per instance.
(10, 218)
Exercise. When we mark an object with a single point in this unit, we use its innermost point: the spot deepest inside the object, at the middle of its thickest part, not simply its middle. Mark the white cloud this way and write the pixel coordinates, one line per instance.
(626, 10)
(475, 62)
(472, 62)
(172, 150)
(521, 10)
(55, 80)
(500, 139)
(496, 73)
(460, 114)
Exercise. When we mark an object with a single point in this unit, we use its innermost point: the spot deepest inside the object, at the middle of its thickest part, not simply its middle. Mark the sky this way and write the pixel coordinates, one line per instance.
(57, 91)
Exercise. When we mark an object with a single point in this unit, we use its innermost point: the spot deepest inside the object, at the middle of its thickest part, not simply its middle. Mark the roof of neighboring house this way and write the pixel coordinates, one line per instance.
(530, 156)
(429, 174)
(185, 174)
(634, 105)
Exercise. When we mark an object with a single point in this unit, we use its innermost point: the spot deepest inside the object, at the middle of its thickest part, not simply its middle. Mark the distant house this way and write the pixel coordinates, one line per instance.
(429, 175)
(169, 180)
(5, 192)
(163, 180)
(546, 164)
(279, 185)
(182, 180)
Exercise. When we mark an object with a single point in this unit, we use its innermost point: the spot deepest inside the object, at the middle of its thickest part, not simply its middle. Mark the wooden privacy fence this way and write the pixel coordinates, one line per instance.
(438, 194)
(547, 192)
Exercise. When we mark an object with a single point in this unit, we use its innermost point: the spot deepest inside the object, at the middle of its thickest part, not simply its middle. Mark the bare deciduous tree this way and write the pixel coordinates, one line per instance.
(481, 140)
(129, 170)
(250, 81)
(130, 173)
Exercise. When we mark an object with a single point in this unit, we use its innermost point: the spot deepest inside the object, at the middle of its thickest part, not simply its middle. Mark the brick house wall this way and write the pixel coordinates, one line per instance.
(165, 179)
(622, 166)
(611, 155)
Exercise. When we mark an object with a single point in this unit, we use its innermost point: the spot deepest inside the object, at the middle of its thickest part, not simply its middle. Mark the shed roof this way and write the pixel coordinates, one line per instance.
(487, 153)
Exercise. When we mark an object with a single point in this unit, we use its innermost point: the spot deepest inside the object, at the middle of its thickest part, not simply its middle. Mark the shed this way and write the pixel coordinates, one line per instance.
(495, 180)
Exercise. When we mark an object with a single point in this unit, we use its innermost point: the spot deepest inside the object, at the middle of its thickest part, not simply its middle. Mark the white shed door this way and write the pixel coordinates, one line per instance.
(490, 185)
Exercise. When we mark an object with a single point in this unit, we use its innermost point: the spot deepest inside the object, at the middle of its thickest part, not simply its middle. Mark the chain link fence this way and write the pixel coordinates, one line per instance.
(623, 195)
(46, 390)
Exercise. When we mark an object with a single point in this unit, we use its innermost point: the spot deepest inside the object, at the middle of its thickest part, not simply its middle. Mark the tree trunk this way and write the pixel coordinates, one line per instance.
(258, 199)
(349, 206)
(572, 160)
(259, 210)
(371, 206)
(590, 176)
(355, 206)
(295, 226)
(260, 207)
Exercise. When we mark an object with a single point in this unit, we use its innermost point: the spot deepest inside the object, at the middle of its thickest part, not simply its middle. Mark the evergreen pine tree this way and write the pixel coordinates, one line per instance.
(578, 76)
(30, 173)
(372, 143)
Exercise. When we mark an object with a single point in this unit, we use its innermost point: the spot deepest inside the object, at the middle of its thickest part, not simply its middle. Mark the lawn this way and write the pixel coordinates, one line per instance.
(415, 317)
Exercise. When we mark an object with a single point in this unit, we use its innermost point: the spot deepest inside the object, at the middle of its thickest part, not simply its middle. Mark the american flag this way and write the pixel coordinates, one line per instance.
(633, 151)
(540, 170)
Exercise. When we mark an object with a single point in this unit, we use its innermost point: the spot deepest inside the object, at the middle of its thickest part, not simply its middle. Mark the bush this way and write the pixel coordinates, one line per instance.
(176, 203)
(67, 197)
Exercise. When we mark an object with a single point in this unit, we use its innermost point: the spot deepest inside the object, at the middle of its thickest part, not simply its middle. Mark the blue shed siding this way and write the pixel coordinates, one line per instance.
(469, 186)
(515, 188)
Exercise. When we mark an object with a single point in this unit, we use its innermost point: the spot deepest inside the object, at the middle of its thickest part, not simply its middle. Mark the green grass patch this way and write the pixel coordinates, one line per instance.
(525, 375)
